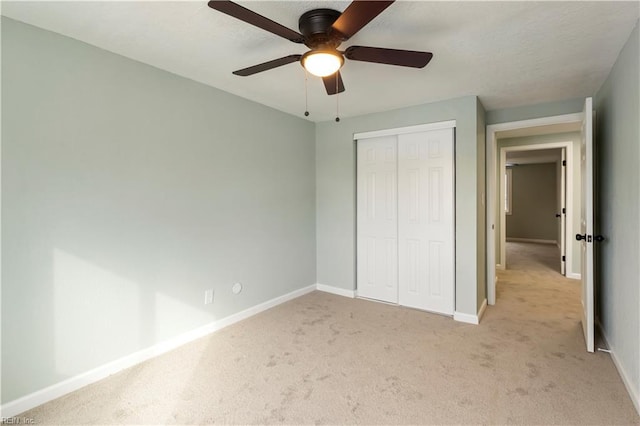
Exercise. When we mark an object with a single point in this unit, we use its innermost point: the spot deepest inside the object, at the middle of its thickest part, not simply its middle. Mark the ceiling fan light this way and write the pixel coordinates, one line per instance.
(322, 63)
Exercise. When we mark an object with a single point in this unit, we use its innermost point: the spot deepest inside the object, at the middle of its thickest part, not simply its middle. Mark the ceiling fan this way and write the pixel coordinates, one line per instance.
(323, 31)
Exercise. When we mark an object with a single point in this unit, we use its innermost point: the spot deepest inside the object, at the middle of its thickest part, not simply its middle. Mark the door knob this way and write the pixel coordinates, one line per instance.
(599, 238)
(581, 237)
(558, 215)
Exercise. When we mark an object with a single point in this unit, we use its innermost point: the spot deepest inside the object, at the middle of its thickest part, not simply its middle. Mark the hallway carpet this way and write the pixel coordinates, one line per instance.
(327, 359)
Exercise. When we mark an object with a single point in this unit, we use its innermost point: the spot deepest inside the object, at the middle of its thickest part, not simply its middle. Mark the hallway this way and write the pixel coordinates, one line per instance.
(533, 257)
(533, 285)
(539, 308)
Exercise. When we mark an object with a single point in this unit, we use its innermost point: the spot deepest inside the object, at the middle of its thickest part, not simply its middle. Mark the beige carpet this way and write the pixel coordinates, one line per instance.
(332, 360)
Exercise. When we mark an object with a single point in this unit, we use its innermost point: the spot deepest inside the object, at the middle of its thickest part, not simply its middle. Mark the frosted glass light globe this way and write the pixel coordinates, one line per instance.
(322, 64)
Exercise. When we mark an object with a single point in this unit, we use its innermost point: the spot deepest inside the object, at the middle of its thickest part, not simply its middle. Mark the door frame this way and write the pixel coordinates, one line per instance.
(568, 201)
(490, 151)
(562, 207)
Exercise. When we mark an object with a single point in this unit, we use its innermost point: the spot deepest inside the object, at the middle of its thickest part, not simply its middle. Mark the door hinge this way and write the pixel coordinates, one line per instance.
(564, 162)
(564, 259)
(564, 211)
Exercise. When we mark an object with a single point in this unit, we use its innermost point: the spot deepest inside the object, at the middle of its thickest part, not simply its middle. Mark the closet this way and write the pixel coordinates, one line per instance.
(405, 216)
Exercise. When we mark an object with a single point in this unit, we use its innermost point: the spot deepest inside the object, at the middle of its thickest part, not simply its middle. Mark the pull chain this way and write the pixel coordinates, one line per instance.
(337, 99)
(306, 96)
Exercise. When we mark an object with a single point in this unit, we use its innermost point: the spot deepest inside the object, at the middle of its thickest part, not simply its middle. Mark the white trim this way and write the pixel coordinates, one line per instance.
(532, 240)
(507, 201)
(336, 290)
(633, 394)
(574, 275)
(27, 402)
(490, 205)
(468, 318)
(471, 319)
(501, 267)
(490, 153)
(404, 130)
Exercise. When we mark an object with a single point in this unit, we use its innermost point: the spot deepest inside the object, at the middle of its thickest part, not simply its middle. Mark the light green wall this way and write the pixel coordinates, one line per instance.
(126, 192)
(529, 112)
(573, 137)
(533, 202)
(618, 211)
(336, 195)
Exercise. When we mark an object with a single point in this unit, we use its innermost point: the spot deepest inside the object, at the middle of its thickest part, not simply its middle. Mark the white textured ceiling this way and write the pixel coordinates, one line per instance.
(507, 53)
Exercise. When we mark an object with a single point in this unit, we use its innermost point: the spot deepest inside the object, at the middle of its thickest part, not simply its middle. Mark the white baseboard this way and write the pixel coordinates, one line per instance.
(530, 240)
(471, 319)
(71, 384)
(500, 266)
(634, 394)
(336, 290)
(574, 276)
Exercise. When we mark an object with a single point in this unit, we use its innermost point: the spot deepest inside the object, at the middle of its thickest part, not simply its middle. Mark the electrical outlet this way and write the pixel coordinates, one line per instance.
(208, 297)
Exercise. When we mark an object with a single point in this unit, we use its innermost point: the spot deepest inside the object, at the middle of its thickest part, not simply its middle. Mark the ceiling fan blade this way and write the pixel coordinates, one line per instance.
(357, 15)
(379, 55)
(333, 82)
(232, 9)
(267, 65)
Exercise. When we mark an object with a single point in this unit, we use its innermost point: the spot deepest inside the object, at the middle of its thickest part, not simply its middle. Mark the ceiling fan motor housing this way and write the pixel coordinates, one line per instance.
(315, 26)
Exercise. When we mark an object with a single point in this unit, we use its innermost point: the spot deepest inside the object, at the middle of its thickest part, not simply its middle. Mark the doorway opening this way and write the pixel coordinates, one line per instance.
(495, 209)
(517, 139)
(537, 187)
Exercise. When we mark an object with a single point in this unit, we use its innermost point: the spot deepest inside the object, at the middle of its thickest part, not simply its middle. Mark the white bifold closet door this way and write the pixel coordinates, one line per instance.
(406, 219)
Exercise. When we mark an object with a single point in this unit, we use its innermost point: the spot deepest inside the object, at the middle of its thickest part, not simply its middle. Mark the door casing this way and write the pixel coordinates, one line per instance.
(491, 166)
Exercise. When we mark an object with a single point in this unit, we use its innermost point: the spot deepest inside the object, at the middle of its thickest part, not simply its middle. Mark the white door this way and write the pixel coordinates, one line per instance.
(426, 220)
(563, 212)
(377, 223)
(586, 224)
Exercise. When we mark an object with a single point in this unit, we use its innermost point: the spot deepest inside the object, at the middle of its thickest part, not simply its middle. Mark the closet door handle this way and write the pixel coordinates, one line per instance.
(581, 237)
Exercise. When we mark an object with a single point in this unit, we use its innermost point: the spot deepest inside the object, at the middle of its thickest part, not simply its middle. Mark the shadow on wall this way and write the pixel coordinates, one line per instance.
(98, 306)
(102, 276)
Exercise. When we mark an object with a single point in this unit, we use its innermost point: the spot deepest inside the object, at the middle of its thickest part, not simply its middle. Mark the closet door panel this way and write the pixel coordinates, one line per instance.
(377, 219)
(426, 220)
